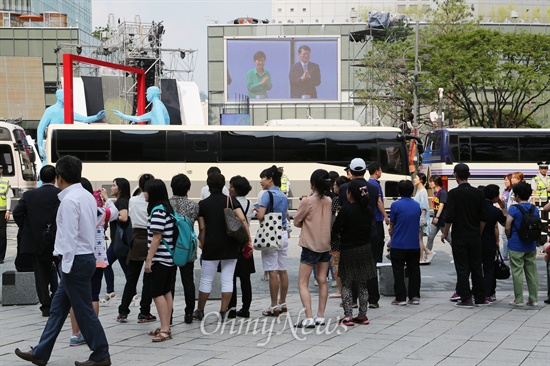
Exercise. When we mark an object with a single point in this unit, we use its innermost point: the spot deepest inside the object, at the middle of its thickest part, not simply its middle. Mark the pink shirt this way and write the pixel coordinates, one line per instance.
(314, 216)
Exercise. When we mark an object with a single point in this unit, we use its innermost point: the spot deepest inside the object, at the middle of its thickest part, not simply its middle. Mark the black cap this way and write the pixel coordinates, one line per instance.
(543, 164)
(462, 169)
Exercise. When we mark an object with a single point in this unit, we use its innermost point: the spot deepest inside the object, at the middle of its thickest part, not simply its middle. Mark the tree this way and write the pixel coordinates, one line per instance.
(499, 79)
(98, 30)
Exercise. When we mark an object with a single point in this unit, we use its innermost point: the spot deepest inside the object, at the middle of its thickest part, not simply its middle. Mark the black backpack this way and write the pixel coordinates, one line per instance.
(529, 228)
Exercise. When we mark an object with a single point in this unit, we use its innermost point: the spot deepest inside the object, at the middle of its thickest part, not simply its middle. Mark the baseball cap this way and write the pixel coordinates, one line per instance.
(357, 165)
(543, 164)
(462, 169)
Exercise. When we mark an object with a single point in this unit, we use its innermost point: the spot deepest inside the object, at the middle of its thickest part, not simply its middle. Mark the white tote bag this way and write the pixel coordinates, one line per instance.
(269, 235)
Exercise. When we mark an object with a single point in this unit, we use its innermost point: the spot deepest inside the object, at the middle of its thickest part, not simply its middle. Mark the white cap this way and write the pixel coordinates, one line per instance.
(357, 165)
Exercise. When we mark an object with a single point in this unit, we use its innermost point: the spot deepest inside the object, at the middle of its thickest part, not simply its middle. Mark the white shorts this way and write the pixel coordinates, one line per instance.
(275, 260)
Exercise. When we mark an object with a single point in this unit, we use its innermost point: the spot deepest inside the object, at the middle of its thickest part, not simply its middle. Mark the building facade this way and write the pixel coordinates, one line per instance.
(350, 11)
(78, 12)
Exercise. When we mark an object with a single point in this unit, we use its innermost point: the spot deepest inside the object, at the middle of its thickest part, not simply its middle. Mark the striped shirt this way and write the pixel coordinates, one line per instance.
(161, 222)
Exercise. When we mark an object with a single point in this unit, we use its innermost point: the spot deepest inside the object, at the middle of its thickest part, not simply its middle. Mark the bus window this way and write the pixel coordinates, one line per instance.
(201, 146)
(464, 148)
(453, 147)
(94, 145)
(309, 146)
(494, 148)
(246, 146)
(391, 159)
(342, 147)
(129, 145)
(7, 160)
(175, 146)
(533, 148)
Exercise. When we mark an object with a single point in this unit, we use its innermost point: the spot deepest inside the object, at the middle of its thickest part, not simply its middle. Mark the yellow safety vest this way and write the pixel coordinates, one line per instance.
(284, 181)
(542, 193)
(4, 186)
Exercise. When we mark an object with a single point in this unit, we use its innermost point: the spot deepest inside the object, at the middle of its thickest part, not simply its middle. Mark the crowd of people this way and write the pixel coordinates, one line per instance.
(342, 228)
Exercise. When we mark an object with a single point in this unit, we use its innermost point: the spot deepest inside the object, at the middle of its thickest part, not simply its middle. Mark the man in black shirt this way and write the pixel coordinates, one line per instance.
(466, 214)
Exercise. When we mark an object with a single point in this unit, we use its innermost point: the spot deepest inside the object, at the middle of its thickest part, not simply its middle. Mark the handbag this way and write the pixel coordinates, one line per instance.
(269, 235)
(234, 227)
(47, 237)
(502, 271)
(123, 238)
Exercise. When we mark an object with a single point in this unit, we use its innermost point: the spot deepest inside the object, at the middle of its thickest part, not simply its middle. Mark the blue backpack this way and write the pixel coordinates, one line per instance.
(185, 239)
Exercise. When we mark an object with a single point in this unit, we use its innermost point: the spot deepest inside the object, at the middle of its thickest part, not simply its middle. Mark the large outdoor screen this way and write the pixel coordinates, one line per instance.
(283, 69)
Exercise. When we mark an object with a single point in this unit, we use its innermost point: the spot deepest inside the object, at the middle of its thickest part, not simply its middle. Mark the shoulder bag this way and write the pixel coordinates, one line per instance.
(234, 227)
(269, 235)
(123, 238)
(502, 271)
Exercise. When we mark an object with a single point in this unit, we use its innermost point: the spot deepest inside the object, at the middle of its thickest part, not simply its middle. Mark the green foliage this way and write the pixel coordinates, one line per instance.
(98, 30)
(486, 72)
(491, 78)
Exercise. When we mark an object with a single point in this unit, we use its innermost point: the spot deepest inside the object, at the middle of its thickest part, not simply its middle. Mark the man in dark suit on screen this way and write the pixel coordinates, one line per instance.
(34, 212)
(304, 76)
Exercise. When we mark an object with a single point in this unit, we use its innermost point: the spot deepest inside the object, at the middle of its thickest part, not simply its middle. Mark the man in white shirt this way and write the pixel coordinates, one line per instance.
(205, 191)
(74, 248)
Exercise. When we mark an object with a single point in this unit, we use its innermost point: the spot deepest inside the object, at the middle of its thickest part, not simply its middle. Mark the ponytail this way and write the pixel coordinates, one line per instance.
(360, 193)
(320, 182)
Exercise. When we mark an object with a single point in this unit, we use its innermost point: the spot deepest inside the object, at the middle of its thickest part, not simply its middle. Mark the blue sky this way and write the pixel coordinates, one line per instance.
(184, 20)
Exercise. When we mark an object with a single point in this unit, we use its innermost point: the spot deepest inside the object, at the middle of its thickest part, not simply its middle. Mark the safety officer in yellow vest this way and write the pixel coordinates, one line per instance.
(5, 203)
(540, 184)
(285, 185)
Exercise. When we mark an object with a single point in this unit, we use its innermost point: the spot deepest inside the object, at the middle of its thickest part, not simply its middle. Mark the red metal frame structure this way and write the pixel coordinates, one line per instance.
(68, 60)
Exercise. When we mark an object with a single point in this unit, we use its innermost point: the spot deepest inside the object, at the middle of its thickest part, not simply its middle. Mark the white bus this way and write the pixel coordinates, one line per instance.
(111, 151)
(490, 153)
(17, 157)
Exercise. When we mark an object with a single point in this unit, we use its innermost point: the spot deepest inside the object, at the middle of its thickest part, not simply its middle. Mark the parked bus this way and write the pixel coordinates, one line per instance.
(17, 157)
(110, 151)
(490, 153)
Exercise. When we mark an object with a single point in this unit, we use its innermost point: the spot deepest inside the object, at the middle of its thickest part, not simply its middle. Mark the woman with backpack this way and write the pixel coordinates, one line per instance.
(217, 247)
(159, 262)
(522, 251)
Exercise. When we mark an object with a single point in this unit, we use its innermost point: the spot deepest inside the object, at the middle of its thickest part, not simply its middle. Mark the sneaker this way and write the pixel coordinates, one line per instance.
(455, 297)
(399, 302)
(306, 323)
(76, 340)
(121, 318)
(316, 283)
(334, 283)
(465, 304)
(355, 306)
(347, 321)
(374, 305)
(530, 303)
(319, 320)
(414, 301)
(489, 299)
(363, 320)
(516, 304)
(484, 303)
(146, 318)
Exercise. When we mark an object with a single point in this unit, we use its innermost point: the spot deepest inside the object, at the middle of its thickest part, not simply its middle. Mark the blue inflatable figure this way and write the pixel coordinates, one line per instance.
(157, 116)
(55, 115)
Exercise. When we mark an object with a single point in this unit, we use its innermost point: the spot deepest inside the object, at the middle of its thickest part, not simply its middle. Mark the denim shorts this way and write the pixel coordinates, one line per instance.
(312, 258)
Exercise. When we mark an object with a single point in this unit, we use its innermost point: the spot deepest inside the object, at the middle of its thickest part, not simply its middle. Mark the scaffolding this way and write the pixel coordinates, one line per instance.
(139, 44)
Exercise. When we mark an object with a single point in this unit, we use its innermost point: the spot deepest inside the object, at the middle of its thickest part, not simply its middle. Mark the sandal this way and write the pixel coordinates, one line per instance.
(154, 332)
(282, 308)
(107, 298)
(162, 336)
(271, 311)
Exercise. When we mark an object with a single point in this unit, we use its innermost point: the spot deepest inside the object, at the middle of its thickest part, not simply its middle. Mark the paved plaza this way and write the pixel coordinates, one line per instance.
(432, 333)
